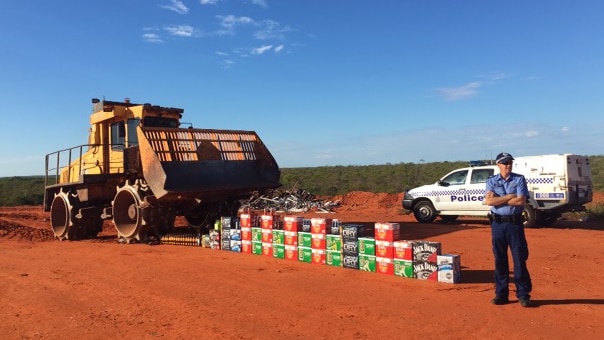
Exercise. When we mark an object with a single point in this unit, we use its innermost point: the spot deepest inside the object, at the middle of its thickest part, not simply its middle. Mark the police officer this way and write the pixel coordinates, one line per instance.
(506, 193)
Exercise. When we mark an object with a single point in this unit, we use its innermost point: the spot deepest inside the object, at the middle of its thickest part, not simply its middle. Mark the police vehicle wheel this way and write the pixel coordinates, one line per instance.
(424, 212)
(529, 217)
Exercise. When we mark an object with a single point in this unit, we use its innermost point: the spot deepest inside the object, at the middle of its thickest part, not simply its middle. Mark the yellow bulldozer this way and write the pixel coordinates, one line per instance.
(141, 169)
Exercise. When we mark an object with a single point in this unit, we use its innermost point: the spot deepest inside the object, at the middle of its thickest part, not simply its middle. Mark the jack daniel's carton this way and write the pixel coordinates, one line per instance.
(425, 256)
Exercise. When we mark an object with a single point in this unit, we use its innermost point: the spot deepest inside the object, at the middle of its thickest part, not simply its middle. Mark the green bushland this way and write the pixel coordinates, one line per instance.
(322, 180)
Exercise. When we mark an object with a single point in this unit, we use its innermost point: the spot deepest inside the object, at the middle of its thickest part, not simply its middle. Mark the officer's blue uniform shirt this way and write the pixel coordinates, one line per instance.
(515, 184)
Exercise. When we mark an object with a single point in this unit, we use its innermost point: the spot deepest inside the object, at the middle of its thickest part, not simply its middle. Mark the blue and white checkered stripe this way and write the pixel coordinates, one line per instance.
(540, 180)
(450, 193)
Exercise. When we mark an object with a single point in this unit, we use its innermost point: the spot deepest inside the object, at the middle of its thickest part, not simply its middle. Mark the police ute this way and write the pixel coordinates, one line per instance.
(557, 183)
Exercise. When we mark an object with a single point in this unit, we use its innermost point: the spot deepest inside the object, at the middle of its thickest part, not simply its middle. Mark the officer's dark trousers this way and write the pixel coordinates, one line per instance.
(504, 235)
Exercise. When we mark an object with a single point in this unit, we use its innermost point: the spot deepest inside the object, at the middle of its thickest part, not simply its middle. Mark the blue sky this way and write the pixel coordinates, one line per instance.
(322, 82)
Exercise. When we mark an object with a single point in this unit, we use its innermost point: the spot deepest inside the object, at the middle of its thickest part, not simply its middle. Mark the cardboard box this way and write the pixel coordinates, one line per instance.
(269, 221)
(387, 232)
(403, 268)
(278, 236)
(403, 250)
(350, 261)
(384, 265)
(235, 234)
(246, 233)
(333, 258)
(267, 236)
(425, 271)
(334, 228)
(366, 246)
(367, 263)
(279, 251)
(318, 256)
(350, 246)
(248, 220)
(235, 245)
(293, 223)
(256, 234)
(229, 222)
(305, 254)
(317, 241)
(425, 251)
(291, 252)
(256, 248)
(384, 249)
(449, 268)
(267, 248)
(304, 239)
(290, 238)
(333, 242)
(354, 231)
(318, 225)
(306, 225)
(246, 246)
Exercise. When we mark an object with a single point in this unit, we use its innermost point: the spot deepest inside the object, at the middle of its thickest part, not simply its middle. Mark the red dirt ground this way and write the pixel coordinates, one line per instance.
(99, 289)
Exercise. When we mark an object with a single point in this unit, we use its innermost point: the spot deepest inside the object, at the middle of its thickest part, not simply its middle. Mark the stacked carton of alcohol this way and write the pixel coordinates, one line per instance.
(318, 232)
(245, 233)
(278, 243)
(385, 236)
(256, 243)
(351, 233)
(333, 244)
(268, 222)
(403, 258)
(230, 234)
(425, 266)
(214, 237)
(291, 226)
(449, 268)
(305, 246)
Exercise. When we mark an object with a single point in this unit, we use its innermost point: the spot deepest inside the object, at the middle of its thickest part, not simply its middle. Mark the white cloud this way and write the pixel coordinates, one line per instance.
(181, 30)
(177, 6)
(565, 129)
(461, 92)
(261, 49)
(278, 48)
(208, 2)
(261, 3)
(152, 38)
(270, 29)
(531, 133)
(231, 20)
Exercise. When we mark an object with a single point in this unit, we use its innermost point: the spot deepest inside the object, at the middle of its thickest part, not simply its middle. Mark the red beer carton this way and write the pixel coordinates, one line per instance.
(387, 231)
(318, 256)
(318, 241)
(384, 265)
(290, 238)
(319, 225)
(291, 252)
(266, 221)
(293, 223)
(246, 246)
(248, 220)
(267, 249)
(403, 250)
(246, 233)
(267, 236)
(384, 249)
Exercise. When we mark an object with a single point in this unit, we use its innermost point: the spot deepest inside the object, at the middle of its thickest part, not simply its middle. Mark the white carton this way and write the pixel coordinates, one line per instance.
(449, 268)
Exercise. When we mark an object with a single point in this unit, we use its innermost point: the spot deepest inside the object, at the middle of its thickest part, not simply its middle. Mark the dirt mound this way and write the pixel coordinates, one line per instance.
(368, 200)
(20, 232)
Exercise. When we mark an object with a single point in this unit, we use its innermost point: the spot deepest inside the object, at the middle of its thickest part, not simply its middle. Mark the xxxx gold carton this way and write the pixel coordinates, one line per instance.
(387, 231)
(384, 249)
(267, 248)
(305, 254)
(246, 246)
(333, 242)
(246, 233)
(366, 246)
(333, 258)
(318, 241)
(403, 268)
(367, 263)
(256, 247)
(304, 239)
(278, 251)
(318, 225)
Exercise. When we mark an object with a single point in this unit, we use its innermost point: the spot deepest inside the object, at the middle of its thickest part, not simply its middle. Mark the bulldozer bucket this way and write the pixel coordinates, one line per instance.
(205, 164)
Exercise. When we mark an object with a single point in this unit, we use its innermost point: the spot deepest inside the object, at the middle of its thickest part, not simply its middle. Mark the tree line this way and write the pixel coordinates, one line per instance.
(322, 180)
